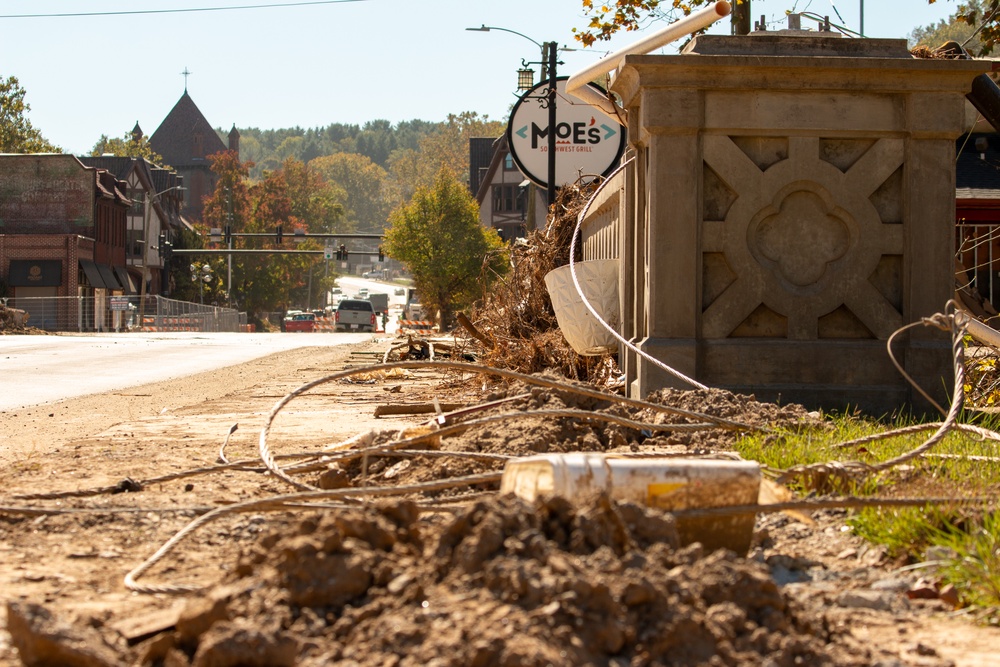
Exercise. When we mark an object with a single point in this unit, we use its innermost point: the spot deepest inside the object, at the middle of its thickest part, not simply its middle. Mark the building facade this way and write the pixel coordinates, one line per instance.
(62, 240)
(508, 201)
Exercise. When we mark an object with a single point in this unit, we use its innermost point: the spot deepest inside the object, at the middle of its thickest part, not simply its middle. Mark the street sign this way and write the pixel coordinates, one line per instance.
(328, 252)
(588, 142)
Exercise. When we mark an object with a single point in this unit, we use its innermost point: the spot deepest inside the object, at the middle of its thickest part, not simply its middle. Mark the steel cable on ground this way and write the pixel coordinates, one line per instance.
(983, 433)
(267, 457)
(955, 321)
(505, 416)
(579, 290)
(278, 503)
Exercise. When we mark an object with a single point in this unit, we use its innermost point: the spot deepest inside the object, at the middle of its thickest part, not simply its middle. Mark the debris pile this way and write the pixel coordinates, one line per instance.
(14, 321)
(517, 317)
(502, 582)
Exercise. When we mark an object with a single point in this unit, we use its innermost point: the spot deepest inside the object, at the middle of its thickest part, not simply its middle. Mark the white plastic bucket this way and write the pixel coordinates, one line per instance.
(599, 282)
(665, 483)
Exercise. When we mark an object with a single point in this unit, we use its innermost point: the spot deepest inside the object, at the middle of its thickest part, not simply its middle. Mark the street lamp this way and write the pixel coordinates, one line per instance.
(201, 275)
(548, 63)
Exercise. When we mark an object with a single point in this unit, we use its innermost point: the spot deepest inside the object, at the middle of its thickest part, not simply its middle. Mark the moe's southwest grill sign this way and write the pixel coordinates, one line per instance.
(588, 142)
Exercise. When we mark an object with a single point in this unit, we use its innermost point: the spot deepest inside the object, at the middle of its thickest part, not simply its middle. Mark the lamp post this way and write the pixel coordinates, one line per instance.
(202, 275)
(548, 63)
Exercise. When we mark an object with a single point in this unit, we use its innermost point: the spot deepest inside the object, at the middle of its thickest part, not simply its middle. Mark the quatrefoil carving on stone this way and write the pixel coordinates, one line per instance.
(800, 234)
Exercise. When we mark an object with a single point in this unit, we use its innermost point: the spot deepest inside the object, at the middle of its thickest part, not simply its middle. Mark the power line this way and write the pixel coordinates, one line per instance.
(178, 11)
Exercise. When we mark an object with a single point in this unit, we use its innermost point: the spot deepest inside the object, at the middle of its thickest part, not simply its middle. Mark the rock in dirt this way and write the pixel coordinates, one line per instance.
(43, 640)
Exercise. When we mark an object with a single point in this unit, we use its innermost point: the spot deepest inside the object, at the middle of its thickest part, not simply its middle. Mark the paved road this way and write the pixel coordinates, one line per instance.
(43, 369)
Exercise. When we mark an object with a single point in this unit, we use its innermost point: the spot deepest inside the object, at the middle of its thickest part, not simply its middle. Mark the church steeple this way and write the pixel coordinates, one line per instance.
(136, 133)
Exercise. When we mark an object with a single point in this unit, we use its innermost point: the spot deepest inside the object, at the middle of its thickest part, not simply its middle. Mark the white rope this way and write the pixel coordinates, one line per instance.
(576, 283)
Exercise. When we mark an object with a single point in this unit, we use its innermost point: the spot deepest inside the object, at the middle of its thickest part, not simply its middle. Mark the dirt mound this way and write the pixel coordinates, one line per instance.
(500, 583)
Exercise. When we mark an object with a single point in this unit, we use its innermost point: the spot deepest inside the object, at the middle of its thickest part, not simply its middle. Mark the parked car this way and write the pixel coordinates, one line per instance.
(300, 322)
(355, 315)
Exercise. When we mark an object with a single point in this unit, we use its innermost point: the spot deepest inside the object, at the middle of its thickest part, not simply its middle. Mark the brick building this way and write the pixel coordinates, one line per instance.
(157, 197)
(62, 240)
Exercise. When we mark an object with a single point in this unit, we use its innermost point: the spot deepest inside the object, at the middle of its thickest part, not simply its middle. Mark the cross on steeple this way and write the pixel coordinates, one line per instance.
(185, 73)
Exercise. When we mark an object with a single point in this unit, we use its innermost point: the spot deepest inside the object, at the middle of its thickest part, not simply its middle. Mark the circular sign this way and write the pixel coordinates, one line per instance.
(588, 142)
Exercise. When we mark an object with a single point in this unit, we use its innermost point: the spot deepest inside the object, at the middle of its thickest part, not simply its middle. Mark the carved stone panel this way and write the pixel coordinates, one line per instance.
(802, 242)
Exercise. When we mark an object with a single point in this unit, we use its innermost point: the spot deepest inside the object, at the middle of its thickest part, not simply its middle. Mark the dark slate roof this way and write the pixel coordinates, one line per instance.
(977, 170)
(176, 139)
(121, 167)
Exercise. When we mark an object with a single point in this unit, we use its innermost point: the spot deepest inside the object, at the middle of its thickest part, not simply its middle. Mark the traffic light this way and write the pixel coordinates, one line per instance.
(343, 252)
(279, 232)
(228, 235)
(166, 248)
(381, 254)
(340, 253)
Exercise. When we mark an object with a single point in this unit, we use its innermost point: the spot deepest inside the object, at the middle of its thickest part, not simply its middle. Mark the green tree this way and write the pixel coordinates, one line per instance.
(16, 132)
(936, 34)
(362, 183)
(315, 201)
(445, 148)
(437, 235)
(127, 146)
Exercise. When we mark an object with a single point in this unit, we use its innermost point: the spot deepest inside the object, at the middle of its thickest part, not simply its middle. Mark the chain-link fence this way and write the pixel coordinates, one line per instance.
(126, 313)
(978, 256)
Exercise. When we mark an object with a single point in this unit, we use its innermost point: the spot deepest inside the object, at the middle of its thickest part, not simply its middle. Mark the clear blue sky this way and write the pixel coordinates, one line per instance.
(310, 66)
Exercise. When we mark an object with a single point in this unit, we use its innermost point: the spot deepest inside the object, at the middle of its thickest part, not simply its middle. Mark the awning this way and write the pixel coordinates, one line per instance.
(125, 279)
(110, 281)
(35, 273)
(93, 274)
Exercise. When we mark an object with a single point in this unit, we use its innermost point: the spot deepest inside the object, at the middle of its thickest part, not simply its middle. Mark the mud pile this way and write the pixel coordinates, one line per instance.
(499, 583)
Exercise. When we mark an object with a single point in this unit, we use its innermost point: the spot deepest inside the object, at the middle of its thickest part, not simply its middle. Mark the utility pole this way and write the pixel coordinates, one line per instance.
(229, 259)
(551, 185)
(741, 17)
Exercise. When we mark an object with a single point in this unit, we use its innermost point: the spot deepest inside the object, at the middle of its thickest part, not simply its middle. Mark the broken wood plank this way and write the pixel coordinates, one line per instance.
(415, 409)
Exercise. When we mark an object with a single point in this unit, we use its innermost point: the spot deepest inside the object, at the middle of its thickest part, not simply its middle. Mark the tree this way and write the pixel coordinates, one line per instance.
(986, 17)
(16, 132)
(361, 182)
(934, 35)
(437, 235)
(129, 145)
(609, 18)
(445, 148)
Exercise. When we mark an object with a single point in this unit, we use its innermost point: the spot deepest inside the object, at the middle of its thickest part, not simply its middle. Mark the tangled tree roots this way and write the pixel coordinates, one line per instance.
(517, 316)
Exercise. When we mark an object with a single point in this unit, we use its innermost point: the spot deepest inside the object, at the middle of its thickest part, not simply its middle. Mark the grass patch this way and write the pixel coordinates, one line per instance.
(960, 466)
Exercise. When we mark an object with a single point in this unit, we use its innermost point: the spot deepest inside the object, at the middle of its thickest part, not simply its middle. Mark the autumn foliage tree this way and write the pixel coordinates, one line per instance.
(605, 19)
(437, 235)
(293, 196)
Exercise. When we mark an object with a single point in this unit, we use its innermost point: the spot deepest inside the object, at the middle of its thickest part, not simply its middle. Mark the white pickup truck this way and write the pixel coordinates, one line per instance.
(355, 315)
